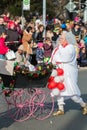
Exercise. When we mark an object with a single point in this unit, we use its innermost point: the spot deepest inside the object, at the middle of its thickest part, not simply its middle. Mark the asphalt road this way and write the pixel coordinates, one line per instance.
(72, 120)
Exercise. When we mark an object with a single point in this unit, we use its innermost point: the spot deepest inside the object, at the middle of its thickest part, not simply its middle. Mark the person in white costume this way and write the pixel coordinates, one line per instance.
(64, 56)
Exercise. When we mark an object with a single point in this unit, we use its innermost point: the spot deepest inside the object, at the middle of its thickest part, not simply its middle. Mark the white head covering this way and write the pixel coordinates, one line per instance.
(70, 38)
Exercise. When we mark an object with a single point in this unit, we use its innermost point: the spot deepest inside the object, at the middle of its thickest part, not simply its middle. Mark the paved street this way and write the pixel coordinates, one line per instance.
(72, 120)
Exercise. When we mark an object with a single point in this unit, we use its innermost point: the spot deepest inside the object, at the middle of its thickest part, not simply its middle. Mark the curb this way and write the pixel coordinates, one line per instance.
(82, 68)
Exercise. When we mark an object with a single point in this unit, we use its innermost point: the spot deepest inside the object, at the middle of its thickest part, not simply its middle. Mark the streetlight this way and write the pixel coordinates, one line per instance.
(44, 17)
(26, 7)
(70, 6)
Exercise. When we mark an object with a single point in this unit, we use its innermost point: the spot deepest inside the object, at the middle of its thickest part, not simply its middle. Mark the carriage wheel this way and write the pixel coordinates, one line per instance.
(44, 105)
(19, 107)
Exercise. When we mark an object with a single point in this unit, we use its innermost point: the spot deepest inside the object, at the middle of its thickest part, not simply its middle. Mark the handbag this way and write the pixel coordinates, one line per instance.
(10, 55)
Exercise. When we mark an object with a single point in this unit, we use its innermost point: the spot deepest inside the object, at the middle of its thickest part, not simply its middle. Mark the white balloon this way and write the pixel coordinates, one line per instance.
(54, 73)
(55, 92)
(57, 79)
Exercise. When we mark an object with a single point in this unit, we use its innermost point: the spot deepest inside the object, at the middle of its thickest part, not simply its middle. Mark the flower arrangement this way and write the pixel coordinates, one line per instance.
(40, 70)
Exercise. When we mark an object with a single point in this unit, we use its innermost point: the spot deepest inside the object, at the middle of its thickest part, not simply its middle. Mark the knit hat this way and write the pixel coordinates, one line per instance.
(63, 26)
(37, 21)
(40, 44)
(10, 24)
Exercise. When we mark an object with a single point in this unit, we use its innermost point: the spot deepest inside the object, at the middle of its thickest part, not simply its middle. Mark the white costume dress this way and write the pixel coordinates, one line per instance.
(65, 58)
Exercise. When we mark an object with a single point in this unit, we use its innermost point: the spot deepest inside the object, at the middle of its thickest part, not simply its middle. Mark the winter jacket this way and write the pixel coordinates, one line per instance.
(12, 35)
(25, 39)
(39, 54)
(3, 48)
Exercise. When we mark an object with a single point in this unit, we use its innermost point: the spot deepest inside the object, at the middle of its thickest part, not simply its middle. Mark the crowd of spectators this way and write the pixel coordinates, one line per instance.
(30, 41)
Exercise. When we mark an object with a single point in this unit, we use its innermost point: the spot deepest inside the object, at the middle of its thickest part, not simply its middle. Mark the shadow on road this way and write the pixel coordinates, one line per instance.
(73, 118)
(5, 121)
(74, 121)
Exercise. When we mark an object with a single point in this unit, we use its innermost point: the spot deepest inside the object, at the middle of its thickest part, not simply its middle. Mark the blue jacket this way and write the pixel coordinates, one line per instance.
(39, 54)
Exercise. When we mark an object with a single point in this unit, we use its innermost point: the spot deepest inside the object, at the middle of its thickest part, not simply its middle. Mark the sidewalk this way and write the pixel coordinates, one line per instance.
(82, 68)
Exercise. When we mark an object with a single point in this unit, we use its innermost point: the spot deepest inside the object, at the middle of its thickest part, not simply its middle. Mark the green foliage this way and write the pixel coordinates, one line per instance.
(14, 11)
(15, 6)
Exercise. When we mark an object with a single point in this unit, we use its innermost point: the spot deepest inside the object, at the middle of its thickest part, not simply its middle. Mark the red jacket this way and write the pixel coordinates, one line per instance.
(3, 48)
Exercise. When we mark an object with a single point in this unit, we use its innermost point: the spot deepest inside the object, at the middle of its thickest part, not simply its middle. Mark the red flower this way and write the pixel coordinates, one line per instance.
(35, 75)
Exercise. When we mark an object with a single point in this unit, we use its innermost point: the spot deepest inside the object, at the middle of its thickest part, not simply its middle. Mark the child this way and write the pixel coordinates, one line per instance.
(20, 58)
(40, 53)
(3, 48)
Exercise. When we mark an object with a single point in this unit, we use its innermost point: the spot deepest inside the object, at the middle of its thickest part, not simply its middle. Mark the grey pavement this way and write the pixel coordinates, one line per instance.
(72, 120)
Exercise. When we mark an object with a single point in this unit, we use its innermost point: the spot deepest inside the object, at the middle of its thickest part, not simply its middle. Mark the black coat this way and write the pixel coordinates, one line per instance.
(12, 35)
(39, 37)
